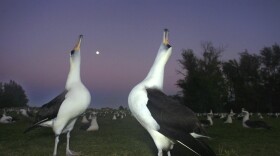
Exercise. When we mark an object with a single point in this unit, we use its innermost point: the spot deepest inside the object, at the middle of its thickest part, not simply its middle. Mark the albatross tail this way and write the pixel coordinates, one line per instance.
(35, 125)
(196, 146)
(187, 140)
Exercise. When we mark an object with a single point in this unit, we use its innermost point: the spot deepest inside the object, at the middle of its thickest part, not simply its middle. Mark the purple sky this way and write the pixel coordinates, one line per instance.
(36, 36)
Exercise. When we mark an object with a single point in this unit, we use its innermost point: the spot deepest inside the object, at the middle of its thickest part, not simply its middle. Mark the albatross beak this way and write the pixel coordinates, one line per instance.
(78, 45)
(165, 37)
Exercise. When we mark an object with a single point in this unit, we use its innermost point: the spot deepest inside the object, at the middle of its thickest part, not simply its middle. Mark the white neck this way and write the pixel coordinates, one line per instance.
(210, 119)
(246, 117)
(229, 119)
(155, 76)
(74, 73)
(93, 120)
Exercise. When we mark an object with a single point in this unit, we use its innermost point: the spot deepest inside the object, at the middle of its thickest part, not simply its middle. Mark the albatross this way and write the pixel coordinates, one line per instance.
(229, 117)
(62, 112)
(208, 122)
(6, 119)
(91, 126)
(167, 121)
(247, 123)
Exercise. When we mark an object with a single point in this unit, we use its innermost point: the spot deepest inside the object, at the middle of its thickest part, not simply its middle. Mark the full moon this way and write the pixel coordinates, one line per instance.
(97, 52)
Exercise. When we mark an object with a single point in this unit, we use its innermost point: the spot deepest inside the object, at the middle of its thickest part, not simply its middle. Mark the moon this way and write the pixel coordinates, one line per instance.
(97, 52)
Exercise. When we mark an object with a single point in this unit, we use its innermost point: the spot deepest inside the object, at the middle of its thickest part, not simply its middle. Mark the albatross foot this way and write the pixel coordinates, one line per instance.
(72, 153)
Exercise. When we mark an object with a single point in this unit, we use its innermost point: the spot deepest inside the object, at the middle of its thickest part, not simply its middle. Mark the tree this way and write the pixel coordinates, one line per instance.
(188, 84)
(203, 86)
(213, 81)
(13, 95)
(270, 74)
(1, 93)
(232, 79)
(121, 108)
(252, 82)
(243, 82)
(251, 90)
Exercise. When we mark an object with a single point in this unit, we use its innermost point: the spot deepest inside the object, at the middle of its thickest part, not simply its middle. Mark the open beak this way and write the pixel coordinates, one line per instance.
(165, 37)
(78, 45)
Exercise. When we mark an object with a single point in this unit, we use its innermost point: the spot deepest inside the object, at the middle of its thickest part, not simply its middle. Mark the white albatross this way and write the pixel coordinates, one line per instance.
(229, 118)
(62, 112)
(257, 124)
(208, 121)
(6, 119)
(84, 119)
(167, 121)
(92, 125)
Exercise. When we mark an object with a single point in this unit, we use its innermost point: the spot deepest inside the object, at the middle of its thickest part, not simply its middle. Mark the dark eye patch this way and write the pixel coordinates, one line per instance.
(72, 52)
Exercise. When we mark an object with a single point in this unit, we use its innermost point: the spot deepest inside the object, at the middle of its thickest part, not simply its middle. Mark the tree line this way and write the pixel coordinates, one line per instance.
(251, 82)
(12, 95)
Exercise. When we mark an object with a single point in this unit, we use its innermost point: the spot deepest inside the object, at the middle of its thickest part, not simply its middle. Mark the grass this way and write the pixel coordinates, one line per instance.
(234, 140)
(126, 137)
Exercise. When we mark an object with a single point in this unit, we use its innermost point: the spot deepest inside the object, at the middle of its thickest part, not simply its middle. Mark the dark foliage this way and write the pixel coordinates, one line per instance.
(252, 82)
(203, 87)
(12, 95)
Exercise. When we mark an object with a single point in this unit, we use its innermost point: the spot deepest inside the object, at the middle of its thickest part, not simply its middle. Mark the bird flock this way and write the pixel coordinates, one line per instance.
(168, 122)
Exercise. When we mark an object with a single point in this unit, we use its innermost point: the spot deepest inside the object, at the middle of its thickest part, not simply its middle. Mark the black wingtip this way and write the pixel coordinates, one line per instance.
(30, 128)
(34, 126)
(198, 147)
(210, 152)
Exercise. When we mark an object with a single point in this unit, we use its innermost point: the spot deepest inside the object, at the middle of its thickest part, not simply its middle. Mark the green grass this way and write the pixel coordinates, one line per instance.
(234, 140)
(126, 137)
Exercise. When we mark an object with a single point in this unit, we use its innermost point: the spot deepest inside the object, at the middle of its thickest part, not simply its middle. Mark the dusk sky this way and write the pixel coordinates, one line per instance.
(35, 37)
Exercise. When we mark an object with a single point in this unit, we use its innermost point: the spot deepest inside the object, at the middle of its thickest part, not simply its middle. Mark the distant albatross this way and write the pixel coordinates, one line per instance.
(167, 121)
(62, 112)
(208, 121)
(253, 123)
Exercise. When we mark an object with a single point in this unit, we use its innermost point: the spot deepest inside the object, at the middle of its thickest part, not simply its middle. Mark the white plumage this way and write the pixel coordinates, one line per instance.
(23, 112)
(85, 120)
(114, 117)
(208, 121)
(6, 119)
(138, 99)
(229, 117)
(62, 112)
(257, 124)
(93, 124)
(150, 107)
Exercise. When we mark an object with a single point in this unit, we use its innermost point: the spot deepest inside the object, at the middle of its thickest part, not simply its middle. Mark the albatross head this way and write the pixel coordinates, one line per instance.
(75, 53)
(165, 48)
(245, 112)
(245, 115)
(75, 62)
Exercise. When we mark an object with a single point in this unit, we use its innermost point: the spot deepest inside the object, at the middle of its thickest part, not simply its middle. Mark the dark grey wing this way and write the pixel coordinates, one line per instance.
(205, 122)
(171, 113)
(196, 146)
(48, 111)
(257, 124)
(85, 126)
(176, 121)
